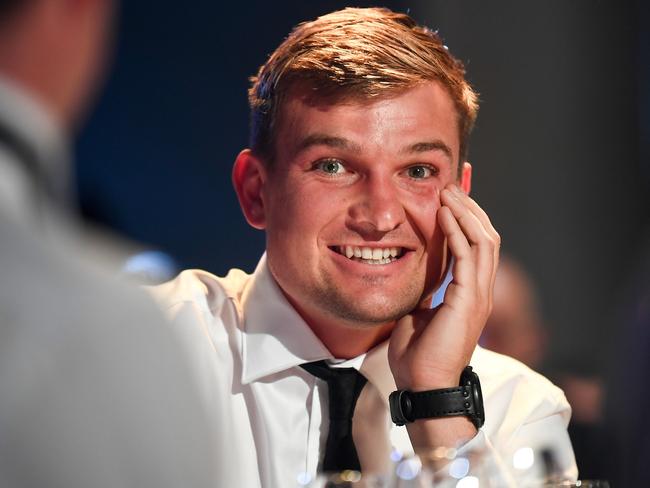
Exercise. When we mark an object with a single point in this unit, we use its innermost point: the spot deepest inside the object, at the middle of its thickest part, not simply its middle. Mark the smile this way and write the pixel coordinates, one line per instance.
(370, 255)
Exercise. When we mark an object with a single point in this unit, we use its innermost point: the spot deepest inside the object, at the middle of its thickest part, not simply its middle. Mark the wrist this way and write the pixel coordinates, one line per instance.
(450, 432)
(429, 380)
(465, 399)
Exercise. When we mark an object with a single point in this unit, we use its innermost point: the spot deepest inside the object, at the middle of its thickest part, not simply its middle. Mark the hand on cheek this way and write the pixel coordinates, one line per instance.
(430, 348)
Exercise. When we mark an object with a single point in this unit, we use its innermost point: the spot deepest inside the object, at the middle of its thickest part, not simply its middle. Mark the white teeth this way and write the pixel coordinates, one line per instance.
(349, 252)
(371, 255)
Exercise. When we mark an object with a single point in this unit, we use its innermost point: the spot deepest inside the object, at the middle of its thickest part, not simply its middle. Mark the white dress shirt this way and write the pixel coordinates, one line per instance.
(247, 343)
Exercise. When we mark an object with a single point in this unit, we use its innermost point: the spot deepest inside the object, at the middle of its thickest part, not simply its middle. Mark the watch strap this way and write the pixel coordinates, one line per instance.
(445, 402)
(464, 400)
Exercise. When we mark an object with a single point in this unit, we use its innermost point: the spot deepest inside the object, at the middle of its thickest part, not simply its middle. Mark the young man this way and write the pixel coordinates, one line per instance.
(357, 174)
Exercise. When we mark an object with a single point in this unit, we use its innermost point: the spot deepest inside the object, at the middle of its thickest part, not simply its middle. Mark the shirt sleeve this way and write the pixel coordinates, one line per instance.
(524, 440)
(538, 451)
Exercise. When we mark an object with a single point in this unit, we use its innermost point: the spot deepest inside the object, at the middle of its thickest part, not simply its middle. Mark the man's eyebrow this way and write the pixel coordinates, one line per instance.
(435, 145)
(319, 139)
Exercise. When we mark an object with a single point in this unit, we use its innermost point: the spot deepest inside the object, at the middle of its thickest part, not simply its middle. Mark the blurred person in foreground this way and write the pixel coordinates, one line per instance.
(357, 173)
(93, 391)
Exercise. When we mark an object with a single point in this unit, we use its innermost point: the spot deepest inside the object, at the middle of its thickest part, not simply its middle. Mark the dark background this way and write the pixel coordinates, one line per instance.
(560, 151)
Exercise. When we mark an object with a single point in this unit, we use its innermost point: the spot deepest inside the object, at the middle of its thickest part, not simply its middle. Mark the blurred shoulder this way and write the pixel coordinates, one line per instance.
(201, 289)
(504, 379)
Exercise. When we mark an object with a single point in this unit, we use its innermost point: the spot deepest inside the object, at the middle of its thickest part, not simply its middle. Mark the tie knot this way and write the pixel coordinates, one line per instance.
(344, 384)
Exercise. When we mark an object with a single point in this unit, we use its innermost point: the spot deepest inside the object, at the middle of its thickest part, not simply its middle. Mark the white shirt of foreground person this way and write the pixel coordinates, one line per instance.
(94, 393)
(248, 343)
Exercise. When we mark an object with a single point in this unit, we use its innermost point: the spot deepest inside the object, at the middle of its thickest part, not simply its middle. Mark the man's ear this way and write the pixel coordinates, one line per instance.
(466, 178)
(248, 178)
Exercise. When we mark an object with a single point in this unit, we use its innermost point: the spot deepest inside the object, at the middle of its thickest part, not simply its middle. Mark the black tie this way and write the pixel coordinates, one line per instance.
(344, 385)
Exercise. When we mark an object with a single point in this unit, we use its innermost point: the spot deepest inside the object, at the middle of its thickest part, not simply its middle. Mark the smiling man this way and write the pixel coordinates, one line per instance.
(355, 190)
(357, 174)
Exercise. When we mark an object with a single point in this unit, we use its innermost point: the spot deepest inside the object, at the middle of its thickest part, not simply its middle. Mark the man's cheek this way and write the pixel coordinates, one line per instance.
(426, 206)
(423, 213)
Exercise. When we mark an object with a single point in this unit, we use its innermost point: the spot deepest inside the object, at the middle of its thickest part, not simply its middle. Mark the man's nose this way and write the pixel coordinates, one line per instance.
(377, 209)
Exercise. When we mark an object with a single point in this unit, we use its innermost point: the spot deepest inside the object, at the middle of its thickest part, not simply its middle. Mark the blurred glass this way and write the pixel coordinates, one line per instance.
(442, 468)
(451, 468)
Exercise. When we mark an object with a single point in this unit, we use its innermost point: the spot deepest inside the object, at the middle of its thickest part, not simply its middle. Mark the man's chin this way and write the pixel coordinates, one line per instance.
(369, 313)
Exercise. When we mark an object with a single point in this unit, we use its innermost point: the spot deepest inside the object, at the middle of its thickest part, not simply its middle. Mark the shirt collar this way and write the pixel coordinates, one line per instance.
(275, 338)
(376, 369)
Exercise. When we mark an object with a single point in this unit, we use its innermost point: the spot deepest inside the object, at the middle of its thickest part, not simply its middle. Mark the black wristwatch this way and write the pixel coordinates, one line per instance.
(466, 400)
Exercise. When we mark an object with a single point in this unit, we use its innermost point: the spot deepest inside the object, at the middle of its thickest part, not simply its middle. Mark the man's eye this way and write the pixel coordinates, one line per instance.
(330, 166)
(420, 172)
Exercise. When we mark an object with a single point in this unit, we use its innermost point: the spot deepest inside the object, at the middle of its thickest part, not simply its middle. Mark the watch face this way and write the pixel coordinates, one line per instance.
(407, 406)
(401, 407)
(470, 378)
(395, 408)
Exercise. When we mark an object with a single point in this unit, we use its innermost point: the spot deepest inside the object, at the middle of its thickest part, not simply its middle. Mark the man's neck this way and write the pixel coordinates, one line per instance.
(349, 342)
(343, 339)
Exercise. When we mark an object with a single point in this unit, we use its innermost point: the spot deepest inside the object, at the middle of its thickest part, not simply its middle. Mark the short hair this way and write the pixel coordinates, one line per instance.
(356, 54)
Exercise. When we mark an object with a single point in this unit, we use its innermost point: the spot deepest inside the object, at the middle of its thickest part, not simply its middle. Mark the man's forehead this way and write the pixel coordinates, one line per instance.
(325, 98)
(306, 119)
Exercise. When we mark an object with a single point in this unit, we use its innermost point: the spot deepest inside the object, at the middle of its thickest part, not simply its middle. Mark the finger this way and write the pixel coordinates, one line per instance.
(459, 246)
(483, 217)
(472, 226)
(479, 239)
(476, 209)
